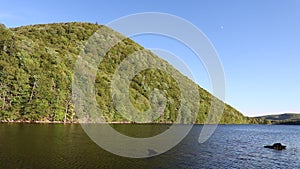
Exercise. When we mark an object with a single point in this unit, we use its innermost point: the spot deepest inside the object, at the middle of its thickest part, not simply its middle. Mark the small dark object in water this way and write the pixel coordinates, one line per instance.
(151, 152)
(276, 146)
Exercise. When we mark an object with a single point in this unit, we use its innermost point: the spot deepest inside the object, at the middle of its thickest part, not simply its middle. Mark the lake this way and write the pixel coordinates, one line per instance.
(67, 146)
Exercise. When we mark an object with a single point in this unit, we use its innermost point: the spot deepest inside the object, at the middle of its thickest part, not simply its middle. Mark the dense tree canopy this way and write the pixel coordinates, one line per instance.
(36, 73)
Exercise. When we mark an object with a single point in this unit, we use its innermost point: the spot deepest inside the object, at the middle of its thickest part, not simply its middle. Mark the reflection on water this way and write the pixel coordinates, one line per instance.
(67, 146)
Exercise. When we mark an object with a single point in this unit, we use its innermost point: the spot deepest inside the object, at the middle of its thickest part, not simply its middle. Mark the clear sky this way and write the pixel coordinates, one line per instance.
(258, 41)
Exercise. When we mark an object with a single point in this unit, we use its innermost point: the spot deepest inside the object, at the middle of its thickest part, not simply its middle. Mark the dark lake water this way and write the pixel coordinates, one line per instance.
(67, 146)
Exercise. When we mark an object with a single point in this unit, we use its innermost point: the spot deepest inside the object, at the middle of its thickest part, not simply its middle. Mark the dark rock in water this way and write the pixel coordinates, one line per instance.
(151, 152)
(276, 146)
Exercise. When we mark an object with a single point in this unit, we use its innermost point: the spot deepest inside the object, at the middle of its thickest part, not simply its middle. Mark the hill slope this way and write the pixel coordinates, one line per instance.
(36, 73)
(287, 118)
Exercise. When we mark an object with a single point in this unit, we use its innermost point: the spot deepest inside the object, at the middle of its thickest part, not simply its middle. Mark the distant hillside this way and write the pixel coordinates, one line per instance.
(36, 73)
(287, 118)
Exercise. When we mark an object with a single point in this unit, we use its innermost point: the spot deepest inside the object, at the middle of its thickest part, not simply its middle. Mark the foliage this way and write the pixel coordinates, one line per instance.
(287, 118)
(36, 73)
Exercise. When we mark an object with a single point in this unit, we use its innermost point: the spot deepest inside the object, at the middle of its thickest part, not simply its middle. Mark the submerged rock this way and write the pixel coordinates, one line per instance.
(276, 146)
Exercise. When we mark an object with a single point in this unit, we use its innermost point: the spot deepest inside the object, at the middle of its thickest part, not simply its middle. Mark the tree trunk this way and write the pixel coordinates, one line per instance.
(32, 91)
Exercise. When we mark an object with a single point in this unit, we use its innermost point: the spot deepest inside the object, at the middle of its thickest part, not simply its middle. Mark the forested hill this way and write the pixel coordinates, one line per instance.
(287, 118)
(36, 73)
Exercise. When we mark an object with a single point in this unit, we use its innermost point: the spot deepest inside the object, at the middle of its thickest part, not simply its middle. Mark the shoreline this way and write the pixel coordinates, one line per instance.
(77, 122)
(38, 122)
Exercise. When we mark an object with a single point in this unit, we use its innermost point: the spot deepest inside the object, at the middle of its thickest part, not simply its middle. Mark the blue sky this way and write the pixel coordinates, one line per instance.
(257, 41)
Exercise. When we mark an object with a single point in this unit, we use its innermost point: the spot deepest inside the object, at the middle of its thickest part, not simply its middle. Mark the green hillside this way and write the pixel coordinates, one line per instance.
(287, 118)
(36, 73)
